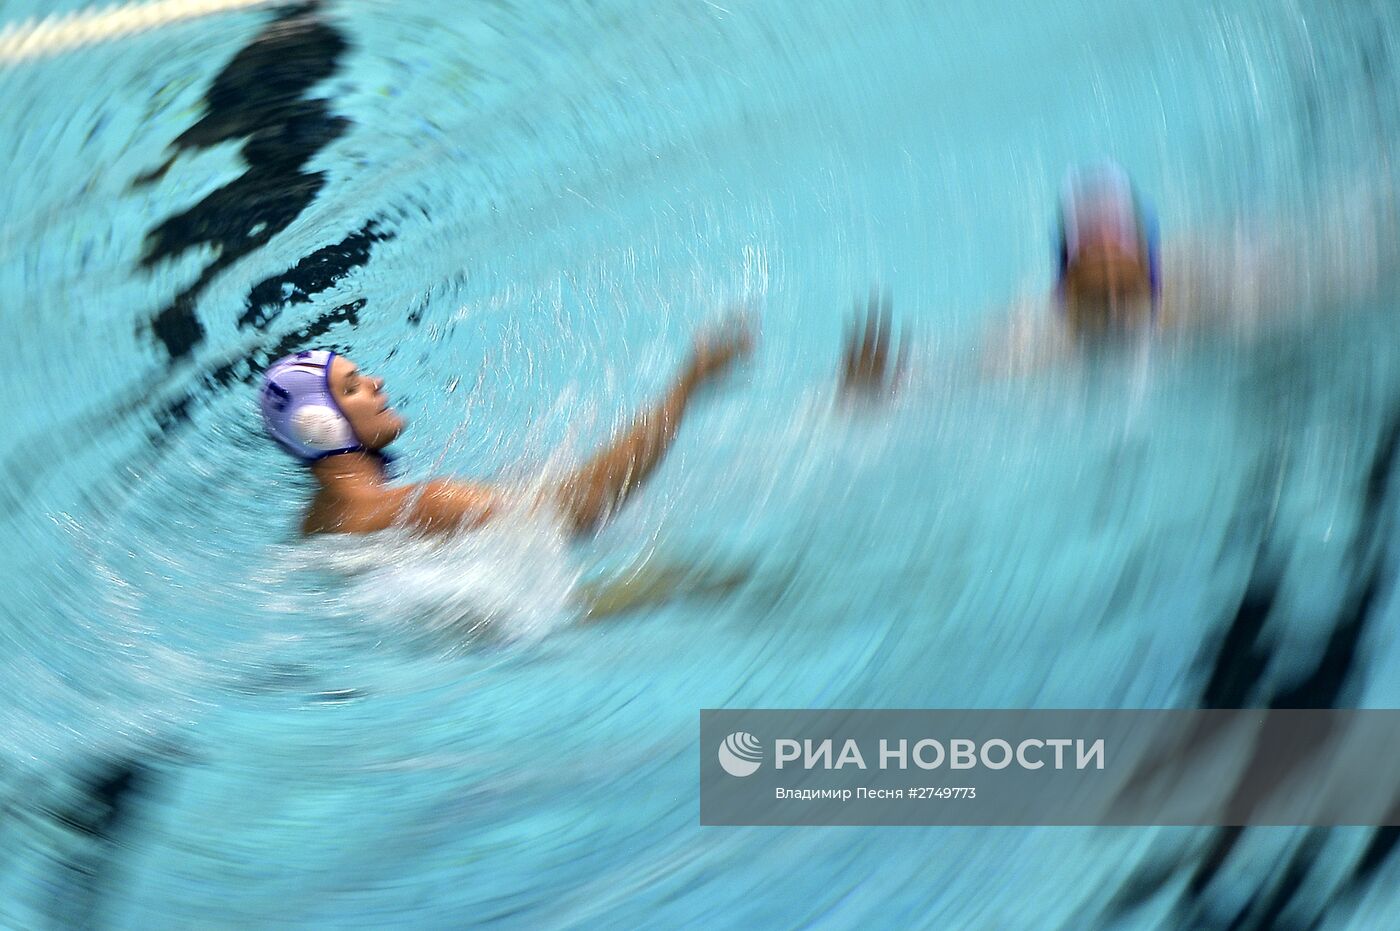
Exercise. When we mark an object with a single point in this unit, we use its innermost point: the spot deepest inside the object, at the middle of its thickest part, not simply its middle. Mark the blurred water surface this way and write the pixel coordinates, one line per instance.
(519, 214)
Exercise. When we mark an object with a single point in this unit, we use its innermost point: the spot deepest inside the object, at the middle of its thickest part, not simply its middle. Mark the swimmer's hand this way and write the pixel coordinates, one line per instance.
(865, 369)
(716, 351)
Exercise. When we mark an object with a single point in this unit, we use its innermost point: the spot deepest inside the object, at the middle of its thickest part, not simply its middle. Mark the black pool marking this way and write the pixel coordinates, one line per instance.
(1265, 908)
(1237, 679)
(1324, 685)
(1378, 480)
(1373, 64)
(1242, 656)
(1242, 659)
(315, 273)
(258, 95)
(1385, 840)
(1230, 686)
(1140, 886)
(100, 815)
(105, 806)
(1381, 846)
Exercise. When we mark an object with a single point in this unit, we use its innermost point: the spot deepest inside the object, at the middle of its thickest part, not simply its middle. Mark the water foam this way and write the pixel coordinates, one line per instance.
(513, 580)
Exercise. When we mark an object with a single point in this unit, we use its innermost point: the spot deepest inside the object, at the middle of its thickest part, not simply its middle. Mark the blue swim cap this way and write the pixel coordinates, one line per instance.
(1101, 201)
(299, 410)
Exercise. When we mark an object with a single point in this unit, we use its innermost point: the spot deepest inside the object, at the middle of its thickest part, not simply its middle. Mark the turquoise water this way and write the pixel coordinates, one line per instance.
(519, 215)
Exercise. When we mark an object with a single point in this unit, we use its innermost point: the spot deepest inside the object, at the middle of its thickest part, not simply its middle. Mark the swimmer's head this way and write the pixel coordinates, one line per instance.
(317, 404)
(1108, 276)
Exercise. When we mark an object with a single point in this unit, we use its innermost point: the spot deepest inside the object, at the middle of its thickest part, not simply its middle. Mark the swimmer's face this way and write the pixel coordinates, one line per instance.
(1107, 288)
(364, 403)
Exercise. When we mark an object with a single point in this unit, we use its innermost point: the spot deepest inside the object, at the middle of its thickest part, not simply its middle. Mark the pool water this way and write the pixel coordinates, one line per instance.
(519, 215)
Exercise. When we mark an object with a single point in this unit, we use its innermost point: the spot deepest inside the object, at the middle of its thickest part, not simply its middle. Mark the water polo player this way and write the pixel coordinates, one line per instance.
(337, 420)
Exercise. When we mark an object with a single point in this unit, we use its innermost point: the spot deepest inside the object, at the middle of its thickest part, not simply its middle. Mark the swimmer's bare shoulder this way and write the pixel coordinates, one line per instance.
(436, 506)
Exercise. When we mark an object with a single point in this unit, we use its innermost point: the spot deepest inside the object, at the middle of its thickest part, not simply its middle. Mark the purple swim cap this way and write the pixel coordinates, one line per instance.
(299, 410)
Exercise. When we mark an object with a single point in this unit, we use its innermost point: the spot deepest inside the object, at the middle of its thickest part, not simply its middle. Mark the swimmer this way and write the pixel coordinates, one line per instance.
(1114, 285)
(1108, 279)
(335, 419)
(1108, 285)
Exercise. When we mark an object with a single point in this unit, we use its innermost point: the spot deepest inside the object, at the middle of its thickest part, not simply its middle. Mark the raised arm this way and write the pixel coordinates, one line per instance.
(865, 370)
(601, 485)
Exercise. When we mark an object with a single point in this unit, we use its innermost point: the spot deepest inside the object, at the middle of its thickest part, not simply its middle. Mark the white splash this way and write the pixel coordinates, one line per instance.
(513, 580)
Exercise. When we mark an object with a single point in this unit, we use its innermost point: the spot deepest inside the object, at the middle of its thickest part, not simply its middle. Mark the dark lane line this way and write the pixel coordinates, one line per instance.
(99, 818)
(1238, 678)
(313, 274)
(258, 96)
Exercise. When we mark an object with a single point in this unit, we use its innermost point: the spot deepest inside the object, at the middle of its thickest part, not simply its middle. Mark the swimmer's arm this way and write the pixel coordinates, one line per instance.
(605, 481)
(445, 505)
(587, 496)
